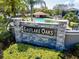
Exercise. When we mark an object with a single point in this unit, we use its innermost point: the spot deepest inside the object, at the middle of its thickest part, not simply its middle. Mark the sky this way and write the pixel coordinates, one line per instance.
(51, 3)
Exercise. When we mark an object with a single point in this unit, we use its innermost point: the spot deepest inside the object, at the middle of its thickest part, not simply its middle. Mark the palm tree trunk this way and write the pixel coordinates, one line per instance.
(31, 6)
(13, 7)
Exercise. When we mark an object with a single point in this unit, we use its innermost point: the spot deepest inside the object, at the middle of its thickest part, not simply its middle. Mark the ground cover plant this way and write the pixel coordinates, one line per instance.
(24, 51)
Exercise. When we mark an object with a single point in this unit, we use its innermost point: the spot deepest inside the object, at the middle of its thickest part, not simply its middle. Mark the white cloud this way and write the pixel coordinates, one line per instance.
(76, 1)
(72, 2)
(50, 4)
(67, 2)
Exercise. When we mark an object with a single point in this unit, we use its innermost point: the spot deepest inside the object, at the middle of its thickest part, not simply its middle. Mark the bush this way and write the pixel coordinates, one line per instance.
(24, 51)
(4, 35)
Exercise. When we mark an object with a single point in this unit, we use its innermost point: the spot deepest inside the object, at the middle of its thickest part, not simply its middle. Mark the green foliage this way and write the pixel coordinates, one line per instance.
(24, 51)
(2, 24)
(5, 35)
(48, 11)
(11, 7)
(57, 12)
(3, 28)
(31, 4)
(73, 24)
(2, 19)
(72, 17)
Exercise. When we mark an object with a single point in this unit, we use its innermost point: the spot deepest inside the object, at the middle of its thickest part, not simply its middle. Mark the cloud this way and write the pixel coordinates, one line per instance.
(67, 2)
(52, 3)
(72, 1)
(76, 3)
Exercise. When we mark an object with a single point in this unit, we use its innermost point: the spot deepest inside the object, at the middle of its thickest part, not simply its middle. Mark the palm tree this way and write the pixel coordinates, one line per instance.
(31, 4)
(8, 8)
(11, 6)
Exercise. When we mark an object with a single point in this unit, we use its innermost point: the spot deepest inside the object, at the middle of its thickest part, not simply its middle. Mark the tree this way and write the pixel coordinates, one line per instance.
(11, 7)
(48, 11)
(57, 12)
(72, 17)
(3, 28)
(8, 8)
(31, 4)
(61, 7)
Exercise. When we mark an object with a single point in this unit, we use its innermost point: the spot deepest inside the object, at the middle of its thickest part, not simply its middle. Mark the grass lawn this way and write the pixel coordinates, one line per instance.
(25, 51)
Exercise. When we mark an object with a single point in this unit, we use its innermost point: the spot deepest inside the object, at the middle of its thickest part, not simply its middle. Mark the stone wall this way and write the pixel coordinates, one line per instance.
(72, 37)
(52, 41)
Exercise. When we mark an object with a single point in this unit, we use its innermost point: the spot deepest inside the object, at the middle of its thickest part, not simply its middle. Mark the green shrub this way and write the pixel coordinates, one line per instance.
(5, 35)
(24, 51)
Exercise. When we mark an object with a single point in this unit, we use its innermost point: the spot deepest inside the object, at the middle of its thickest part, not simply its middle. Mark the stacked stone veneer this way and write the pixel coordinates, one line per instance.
(56, 42)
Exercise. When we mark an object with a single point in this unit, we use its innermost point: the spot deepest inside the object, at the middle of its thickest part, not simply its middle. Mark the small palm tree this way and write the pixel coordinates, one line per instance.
(31, 4)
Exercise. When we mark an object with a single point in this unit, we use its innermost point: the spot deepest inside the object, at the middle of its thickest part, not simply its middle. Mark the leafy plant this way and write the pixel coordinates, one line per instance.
(29, 52)
(72, 17)
(4, 34)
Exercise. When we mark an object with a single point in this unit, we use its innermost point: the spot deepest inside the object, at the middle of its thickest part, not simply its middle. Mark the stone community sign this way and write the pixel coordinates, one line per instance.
(40, 30)
(50, 35)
